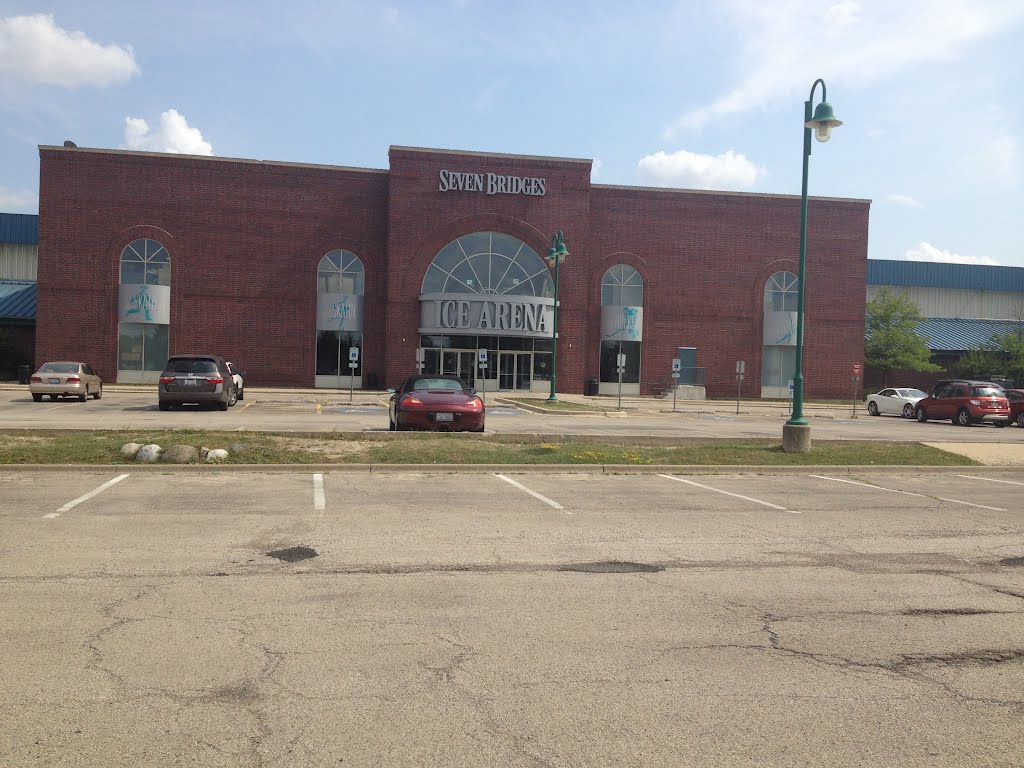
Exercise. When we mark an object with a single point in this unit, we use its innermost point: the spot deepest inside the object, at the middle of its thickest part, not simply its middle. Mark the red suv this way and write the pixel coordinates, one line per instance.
(1016, 398)
(965, 402)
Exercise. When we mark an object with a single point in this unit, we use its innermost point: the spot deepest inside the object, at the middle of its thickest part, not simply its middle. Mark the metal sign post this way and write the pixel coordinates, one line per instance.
(677, 365)
(621, 368)
(353, 363)
(741, 368)
(482, 357)
(858, 369)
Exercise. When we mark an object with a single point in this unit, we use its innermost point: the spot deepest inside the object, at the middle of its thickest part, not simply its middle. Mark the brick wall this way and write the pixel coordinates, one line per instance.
(245, 239)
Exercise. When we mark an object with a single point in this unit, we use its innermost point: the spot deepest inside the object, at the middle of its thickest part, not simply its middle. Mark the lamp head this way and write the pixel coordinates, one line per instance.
(823, 122)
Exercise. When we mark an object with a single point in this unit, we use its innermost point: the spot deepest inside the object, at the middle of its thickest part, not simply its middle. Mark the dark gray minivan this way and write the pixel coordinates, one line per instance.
(200, 379)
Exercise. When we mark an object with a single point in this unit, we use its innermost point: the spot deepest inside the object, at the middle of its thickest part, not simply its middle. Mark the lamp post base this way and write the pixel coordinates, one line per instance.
(796, 438)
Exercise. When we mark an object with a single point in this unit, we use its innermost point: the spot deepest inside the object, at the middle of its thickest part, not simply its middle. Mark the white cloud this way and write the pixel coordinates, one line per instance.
(34, 49)
(928, 252)
(866, 43)
(174, 135)
(18, 202)
(904, 200)
(689, 169)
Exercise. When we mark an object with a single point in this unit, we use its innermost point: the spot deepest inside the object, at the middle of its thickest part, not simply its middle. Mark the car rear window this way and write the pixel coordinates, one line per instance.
(436, 383)
(987, 392)
(59, 368)
(191, 365)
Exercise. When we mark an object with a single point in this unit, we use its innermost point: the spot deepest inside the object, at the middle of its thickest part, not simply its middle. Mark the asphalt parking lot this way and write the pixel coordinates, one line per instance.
(857, 618)
(282, 410)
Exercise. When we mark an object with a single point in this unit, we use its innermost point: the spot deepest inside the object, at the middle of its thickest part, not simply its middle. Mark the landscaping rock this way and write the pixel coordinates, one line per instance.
(130, 449)
(239, 448)
(179, 454)
(149, 452)
(217, 454)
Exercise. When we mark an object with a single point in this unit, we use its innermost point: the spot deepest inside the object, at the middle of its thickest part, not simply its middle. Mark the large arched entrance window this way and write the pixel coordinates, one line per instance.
(622, 328)
(144, 298)
(488, 292)
(778, 353)
(340, 282)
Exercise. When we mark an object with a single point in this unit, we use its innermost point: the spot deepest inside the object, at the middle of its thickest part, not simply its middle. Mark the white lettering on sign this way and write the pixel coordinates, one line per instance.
(491, 183)
(492, 315)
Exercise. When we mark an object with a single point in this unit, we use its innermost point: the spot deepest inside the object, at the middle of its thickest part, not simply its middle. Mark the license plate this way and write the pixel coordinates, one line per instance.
(54, 381)
(190, 382)
(443, 417)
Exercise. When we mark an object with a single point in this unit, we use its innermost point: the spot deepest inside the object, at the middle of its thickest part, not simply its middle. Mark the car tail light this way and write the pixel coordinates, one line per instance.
(215, 379)
(73, 379)
(37, 379)
(167, 379)
(475, 404)
(411, 400)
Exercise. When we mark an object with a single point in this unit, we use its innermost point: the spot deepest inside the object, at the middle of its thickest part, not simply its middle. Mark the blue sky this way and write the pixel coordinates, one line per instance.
(685, 94)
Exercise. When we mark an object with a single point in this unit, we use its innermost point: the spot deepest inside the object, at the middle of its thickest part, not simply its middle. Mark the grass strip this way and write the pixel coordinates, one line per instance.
(104, 447)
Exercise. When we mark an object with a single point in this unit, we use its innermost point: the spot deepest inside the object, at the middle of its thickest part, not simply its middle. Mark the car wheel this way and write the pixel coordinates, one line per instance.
(1020, 419)
(962, 418)
(165, 406)
(232, 399)
(83, 397)
(99, 393)
(873, 408)
(241, 394)
(922, 415)
(908, 411)
(222, 405)
(1002, 424)
(38, 398)
(391, 424)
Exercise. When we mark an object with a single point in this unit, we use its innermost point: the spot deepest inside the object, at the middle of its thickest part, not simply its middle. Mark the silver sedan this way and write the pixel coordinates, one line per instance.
(65, 379)
(895, 402)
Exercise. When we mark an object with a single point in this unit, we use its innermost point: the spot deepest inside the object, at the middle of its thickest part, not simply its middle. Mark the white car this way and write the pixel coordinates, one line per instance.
(237, 375)
(895, 402)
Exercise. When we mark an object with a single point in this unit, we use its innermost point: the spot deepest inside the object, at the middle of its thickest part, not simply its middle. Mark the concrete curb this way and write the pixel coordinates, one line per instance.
(609, 469)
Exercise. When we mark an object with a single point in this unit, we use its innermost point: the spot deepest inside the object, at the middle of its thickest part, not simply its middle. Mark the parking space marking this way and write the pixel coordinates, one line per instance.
(85, 497)
(536, 495)
(729, 493)
(991, 479)
(907, 493)
(319, 499)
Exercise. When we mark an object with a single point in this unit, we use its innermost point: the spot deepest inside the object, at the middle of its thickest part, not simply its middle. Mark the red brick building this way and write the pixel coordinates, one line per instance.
(284, 268)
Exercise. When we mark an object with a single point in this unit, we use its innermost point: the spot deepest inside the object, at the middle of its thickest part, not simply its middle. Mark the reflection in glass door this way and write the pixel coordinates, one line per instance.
(524, 370)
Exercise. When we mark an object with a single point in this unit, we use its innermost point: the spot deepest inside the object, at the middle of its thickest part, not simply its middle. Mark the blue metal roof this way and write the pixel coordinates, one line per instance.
(935, 275)
(21, 228)
(953, 334)
(17, 301)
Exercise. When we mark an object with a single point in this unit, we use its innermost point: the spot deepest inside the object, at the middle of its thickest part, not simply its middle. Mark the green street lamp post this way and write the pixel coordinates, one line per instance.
(556, 254)
(796, 433)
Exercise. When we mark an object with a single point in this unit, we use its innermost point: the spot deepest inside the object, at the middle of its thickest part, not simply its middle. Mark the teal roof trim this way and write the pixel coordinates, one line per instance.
(17, 301)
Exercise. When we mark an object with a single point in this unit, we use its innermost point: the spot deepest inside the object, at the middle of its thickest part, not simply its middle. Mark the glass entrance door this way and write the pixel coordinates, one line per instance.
(515, 370)
(459, 363)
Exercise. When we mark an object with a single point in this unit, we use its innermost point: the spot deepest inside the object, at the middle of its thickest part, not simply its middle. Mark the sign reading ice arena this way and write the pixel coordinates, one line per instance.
(514, 316)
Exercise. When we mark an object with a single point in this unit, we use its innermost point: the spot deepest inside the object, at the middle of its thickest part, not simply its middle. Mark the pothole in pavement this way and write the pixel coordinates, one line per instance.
(1013, 562)
(612, 566)
(293, 554)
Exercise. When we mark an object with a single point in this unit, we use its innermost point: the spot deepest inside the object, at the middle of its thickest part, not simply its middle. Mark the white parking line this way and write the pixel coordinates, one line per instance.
(729, 493)
(908, 493)
(536, 495)
(991, 479)
(86, 497)
(319, 499)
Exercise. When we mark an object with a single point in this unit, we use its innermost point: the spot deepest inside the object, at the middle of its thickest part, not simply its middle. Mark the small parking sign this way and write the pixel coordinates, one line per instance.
(353, 354)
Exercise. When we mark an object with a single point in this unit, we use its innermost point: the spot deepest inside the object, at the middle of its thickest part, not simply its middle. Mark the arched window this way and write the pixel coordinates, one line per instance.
(340, 282)
(622, 286)
(622, 324)
(778, 353)
(144, 296)
(488, 263)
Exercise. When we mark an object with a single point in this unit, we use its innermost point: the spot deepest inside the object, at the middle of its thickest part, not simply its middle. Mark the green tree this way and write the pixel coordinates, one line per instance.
(892, 342)
(980, 362)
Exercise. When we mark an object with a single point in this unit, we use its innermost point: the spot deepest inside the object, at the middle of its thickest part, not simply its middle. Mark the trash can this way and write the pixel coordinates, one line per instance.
(24, 374)
(590, 388)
